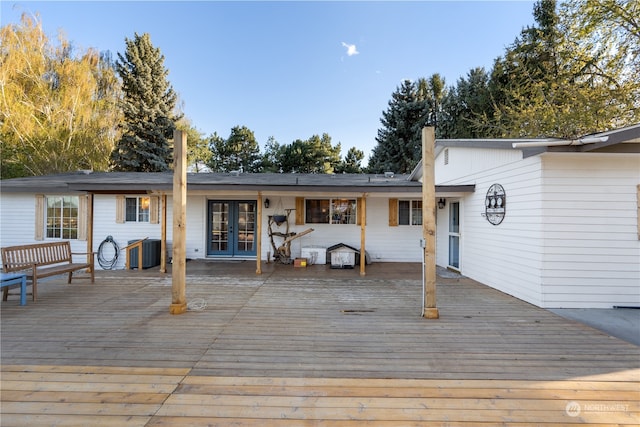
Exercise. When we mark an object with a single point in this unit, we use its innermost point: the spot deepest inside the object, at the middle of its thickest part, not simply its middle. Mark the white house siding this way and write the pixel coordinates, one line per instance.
(17, 223)
(383, 243)
(464, 162)
(104, 224)
(508, 256)
(591, 247)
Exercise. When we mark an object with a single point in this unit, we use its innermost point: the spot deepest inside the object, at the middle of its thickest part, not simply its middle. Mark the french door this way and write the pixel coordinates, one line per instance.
(231, 230)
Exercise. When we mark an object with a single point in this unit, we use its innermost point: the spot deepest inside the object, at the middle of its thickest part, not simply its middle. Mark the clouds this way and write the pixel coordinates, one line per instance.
(351, 49)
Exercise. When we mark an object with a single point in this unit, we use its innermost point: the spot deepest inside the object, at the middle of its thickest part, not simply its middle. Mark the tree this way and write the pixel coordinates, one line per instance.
(352, 162)
(602, 41)
(198, 152)
(400, 139)
(273, 155)
(467, 107)
(315, 155)
(58, 109)
(432, 91)
(239, 152)
(558, 80)
(149, 100)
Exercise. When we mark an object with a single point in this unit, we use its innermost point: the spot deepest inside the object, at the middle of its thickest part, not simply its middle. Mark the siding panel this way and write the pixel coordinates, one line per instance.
(592, 255)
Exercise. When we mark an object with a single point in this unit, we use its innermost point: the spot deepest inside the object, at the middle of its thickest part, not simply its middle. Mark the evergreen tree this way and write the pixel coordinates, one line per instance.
(239, 152)
(273, 155)
(352, 162)
(198, 152)
(315, 155)
(400, 139)
(148, 106)
(467, 107)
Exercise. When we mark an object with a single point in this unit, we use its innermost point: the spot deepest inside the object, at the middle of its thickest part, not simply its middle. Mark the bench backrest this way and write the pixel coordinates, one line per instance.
(16, 258)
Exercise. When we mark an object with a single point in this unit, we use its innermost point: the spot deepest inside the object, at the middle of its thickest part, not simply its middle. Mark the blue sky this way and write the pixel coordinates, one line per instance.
(293, 69)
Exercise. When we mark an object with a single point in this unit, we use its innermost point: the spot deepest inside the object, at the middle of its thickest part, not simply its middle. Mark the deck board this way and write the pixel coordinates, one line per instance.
(304, 347)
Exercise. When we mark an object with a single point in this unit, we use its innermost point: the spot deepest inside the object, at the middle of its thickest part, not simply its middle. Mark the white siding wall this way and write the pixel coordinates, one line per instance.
(17, 223)
(466, 162)
(508, 256)
(591, 246)
(383, 243)
(104, 224)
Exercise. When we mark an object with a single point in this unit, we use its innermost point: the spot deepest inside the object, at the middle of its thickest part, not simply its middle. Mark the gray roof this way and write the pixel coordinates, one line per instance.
(130, 182)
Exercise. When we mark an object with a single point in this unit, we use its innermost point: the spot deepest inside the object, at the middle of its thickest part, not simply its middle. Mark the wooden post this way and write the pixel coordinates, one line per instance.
(179, 267)
(363, 229)
(258, 236)
(163, 237)
(429, 222)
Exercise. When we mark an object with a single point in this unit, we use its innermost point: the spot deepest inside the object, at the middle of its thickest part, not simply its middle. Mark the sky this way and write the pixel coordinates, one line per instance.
(292, 69)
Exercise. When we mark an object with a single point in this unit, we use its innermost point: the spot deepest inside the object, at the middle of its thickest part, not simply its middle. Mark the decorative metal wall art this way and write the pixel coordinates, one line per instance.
(495, 204)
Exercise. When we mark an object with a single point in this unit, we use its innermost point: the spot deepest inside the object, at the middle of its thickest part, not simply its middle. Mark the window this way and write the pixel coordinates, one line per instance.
(410, 212)
(137, 209)
(62, 217)
(331, 211)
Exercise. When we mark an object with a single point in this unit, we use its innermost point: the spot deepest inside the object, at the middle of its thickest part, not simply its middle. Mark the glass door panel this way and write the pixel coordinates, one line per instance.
(246, 223)
(219, 228)
(454, 234)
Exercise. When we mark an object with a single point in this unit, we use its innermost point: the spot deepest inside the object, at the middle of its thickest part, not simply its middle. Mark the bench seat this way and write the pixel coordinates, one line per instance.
(44, 260)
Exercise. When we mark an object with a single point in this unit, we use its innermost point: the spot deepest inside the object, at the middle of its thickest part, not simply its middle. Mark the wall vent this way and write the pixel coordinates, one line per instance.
(446, 156)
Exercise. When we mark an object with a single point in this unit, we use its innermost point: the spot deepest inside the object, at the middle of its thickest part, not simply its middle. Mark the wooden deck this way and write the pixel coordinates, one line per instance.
(304, 347)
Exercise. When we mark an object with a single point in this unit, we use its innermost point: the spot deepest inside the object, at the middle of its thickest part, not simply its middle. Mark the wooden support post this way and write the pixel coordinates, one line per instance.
(429, 222)
(163, 237)
(363, 229)
(179, 266)
(258, 236)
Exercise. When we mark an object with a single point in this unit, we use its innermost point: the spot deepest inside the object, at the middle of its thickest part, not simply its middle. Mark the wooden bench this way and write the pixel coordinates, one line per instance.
(41, 260)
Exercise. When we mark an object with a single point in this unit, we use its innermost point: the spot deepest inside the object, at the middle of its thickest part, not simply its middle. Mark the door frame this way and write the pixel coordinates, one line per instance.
(454, 234)
(232, 229)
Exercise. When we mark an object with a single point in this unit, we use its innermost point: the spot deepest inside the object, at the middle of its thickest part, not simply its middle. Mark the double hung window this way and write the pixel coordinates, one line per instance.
(61, 217)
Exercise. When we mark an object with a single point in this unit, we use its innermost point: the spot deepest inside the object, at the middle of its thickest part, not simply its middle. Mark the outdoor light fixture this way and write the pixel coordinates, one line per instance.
(441, 203)
(266, 203)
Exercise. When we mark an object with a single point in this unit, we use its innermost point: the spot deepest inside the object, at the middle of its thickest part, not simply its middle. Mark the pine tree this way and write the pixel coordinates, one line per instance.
(400, 138)
(239, 152)
(148, 106)
(467, 107)
(351, 162)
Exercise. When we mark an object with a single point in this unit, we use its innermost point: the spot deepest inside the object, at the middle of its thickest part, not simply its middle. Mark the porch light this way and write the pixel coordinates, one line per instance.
(266, 203)
(441, 203)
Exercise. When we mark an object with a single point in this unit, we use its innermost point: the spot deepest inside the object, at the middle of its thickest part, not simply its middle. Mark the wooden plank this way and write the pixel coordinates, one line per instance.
(323, 347)
(175, 372)
(103, 387)
(83, 397)
(21, 420)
